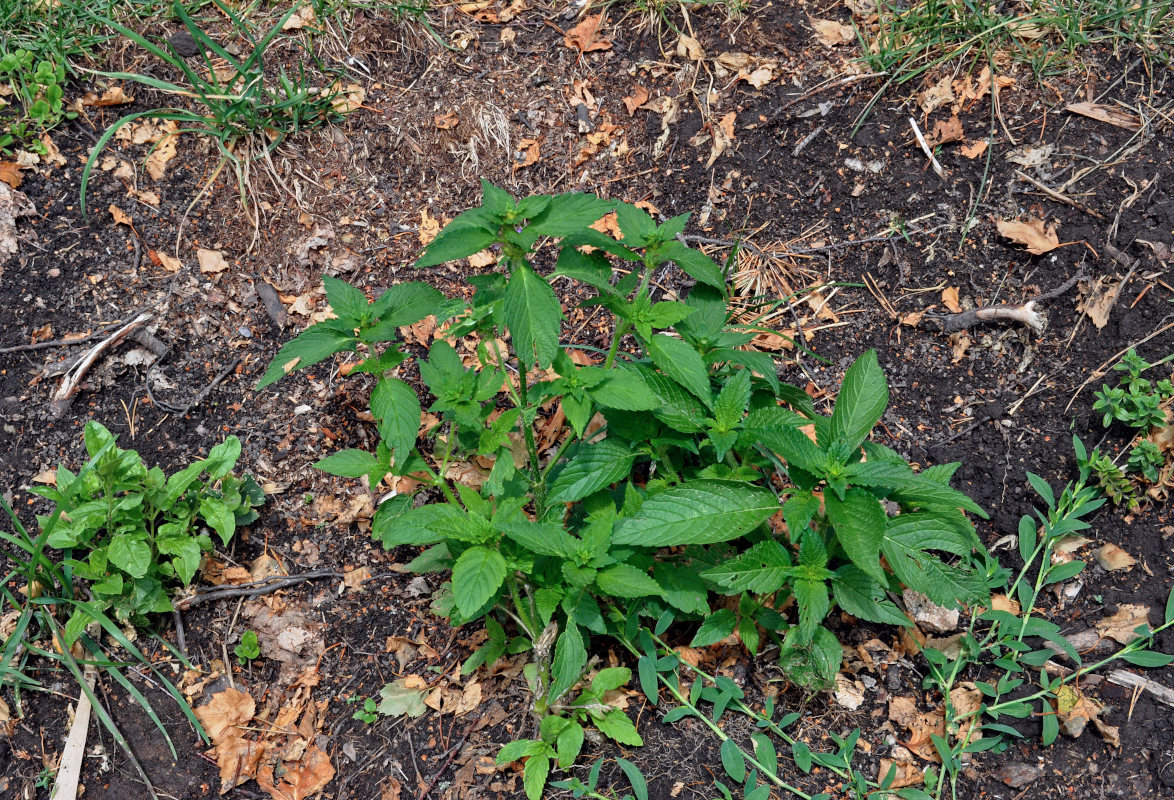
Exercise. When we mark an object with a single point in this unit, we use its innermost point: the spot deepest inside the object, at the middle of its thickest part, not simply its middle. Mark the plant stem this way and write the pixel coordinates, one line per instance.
(621, 331)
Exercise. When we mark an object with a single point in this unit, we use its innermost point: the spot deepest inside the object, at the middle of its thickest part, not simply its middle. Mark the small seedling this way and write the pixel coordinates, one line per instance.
(248, 648)
(368, 713)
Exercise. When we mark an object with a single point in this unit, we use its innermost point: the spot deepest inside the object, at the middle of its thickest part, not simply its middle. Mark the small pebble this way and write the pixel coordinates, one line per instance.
(302, 409)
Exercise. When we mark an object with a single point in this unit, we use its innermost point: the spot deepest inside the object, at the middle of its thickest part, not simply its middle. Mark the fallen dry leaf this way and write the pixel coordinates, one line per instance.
(959, 345)
(1103, 113)
(348, 98)
(224, 712)
(1075, 710)
(211, 261)
(429, 227)
(1122, 626)
(922, 726)
(354, 579)
(849, 694)
(585, 36)
(831, 33)
(300, 778)
(975, 149)
(638, 98)
(161, 153)
(946, 130)
(1097, 300)
(723, 137)
(13, 205)
(10, 173)
(950, 299)
(690, 48)
(1113, 558)
(120, 216)
(1031, 234)
(904, 773)
(299, 19)
(529, 149)
(967, 699)
(114, 96)
(52, 155)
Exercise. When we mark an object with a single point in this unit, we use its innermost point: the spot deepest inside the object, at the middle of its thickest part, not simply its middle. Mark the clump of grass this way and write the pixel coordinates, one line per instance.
(243, 105)
(908, 38)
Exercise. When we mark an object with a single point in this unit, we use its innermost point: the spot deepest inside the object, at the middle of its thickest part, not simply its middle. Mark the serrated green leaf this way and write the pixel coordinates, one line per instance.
(862, 597)
(476, 578)
(714, 628)
(534, 776)
(406, 303)
(312, 345)
(461, 238)
(624, 580)
(397, 523)
(625, 390)
(541, 538)
(593, 467)
(792, 446)
(863, 397)
(348, 463)
(683, 587)
(732, 401)
(812, 599)
(591, 268)
(635, 224)
(347, 302)
(682, 363)
(697, 512)
(616, 726)
(859, 522)
(568, 744)
(570, 213)
(570, 659)
(693, 263)
(760, 570)
(533, 315)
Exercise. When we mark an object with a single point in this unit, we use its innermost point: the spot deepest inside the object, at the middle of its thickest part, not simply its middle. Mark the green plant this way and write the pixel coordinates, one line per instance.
(37, 84)
(1111, 479)
(1010, 641)
(249, 109)
(133, 532)
(368, 713)
(1147, 458)
(695, 446)
(1135, 400)
(55, 622)
(248, 648)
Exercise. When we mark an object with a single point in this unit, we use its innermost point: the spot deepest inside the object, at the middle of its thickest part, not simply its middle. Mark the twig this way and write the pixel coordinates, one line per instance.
(1063, 198)
(70, 384)
(255, 588)
(925, 148)
(1161, 693)
(777, 117)
(1025, 314)
(21, 348)
(195, 401)
(451, 754)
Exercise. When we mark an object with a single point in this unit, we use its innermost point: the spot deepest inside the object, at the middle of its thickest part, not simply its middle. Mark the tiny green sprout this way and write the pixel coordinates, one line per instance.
(248, 648)
(308, 498)
(368, 713)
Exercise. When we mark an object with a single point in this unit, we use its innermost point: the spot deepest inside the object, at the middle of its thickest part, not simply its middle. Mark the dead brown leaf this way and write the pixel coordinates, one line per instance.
(161, 153)
(529, 147)
(1097, 300)
(446, 121)
(974, 149)
(723, 137)
(354, 579)
(10, 173)
(959, 345)
(114, 96)
(689, 48)
(946, 130)
(1032, 234)
(832, 33)
(905, 773)
(585, 37)
(950, 299)
(348, 98)
(298, 779)
(1075, 710)
(638, 98)
(1113, 558)
(967, 699)
(922, 726)
(1122, 626)
(211, 261)
(299, 19)
(120, 216)
(429, 227)
(1103, 113)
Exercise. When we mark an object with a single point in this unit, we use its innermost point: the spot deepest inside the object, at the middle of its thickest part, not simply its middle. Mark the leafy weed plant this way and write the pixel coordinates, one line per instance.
(244, 108)
(134, 528)
(678, 448)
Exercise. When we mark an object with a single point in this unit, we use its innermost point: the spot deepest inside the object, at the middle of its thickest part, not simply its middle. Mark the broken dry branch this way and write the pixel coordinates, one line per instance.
(1025, 314)
(63, 397)
(254, 589)
(1123, 678)
(925, 148)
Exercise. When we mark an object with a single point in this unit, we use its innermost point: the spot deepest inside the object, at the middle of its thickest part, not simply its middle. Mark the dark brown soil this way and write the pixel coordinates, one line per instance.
(850, 210)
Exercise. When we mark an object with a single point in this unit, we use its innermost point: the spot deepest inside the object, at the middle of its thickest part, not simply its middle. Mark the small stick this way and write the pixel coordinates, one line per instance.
(1063, 198)
(451, 754)
(70, 768)
(933, 162)
(1161, 693)
(63, 397)
(254, 589)
(1025, 314)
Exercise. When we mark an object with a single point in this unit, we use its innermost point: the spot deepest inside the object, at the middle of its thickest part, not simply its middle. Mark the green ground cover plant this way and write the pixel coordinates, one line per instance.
(654, 505)
(128, 534)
